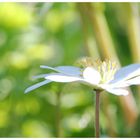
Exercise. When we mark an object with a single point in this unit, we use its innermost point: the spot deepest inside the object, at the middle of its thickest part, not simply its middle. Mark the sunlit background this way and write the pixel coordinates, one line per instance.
(56, 34)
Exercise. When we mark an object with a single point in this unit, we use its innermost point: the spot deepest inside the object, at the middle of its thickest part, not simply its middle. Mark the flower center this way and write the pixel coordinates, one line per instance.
(106, 68)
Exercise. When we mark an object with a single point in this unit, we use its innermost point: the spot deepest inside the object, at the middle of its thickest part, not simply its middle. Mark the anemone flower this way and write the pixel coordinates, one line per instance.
(101, 76)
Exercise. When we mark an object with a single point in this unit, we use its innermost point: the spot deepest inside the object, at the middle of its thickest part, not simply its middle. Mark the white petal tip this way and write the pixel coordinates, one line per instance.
(41, 66)
(25, 92)
(29, 89)
(36, 86)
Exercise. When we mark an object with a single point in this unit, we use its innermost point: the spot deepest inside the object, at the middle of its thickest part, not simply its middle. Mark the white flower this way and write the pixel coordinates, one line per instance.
(103, 77)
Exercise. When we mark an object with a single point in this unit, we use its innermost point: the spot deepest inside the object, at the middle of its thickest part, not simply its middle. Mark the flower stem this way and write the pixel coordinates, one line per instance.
(97, 115)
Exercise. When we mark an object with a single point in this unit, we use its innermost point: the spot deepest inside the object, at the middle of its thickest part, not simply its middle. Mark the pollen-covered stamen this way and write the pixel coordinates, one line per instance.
(85, 62)
(107, 70)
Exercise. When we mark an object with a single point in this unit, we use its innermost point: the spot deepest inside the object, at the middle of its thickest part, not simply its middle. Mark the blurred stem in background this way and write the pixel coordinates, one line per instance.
(58, 92)
(58, 114)
(96, 16)
(133, 31)
(100, 28)
(85, 30)
(89, 42)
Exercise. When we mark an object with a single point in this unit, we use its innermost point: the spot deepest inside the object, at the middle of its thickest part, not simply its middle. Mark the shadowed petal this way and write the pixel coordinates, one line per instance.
(37, 86)
(126, 73)
(69, 70)
(126, 83)
(59, 77)
(134, 81)
(117, 91)
(91, 75)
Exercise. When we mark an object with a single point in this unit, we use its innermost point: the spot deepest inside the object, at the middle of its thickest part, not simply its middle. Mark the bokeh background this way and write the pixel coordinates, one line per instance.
(56, 34)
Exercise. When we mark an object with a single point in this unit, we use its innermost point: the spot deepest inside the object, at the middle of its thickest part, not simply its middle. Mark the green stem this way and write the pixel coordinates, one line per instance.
(97, 114)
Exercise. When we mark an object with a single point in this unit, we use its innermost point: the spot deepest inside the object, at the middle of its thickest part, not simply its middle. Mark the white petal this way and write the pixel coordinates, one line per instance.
(134, 81)
(120, 84)
(126, 83)
(69, 70)
(37, 86)
(40, 76)
(91, 75)
(117, 91)
(127, 72)
(59, 77)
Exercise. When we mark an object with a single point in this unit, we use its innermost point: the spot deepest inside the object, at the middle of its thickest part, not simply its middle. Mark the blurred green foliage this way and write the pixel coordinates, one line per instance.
(53, 34)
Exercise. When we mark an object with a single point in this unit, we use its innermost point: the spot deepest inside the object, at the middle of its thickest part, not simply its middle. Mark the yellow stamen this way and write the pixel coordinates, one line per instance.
(106, 68)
